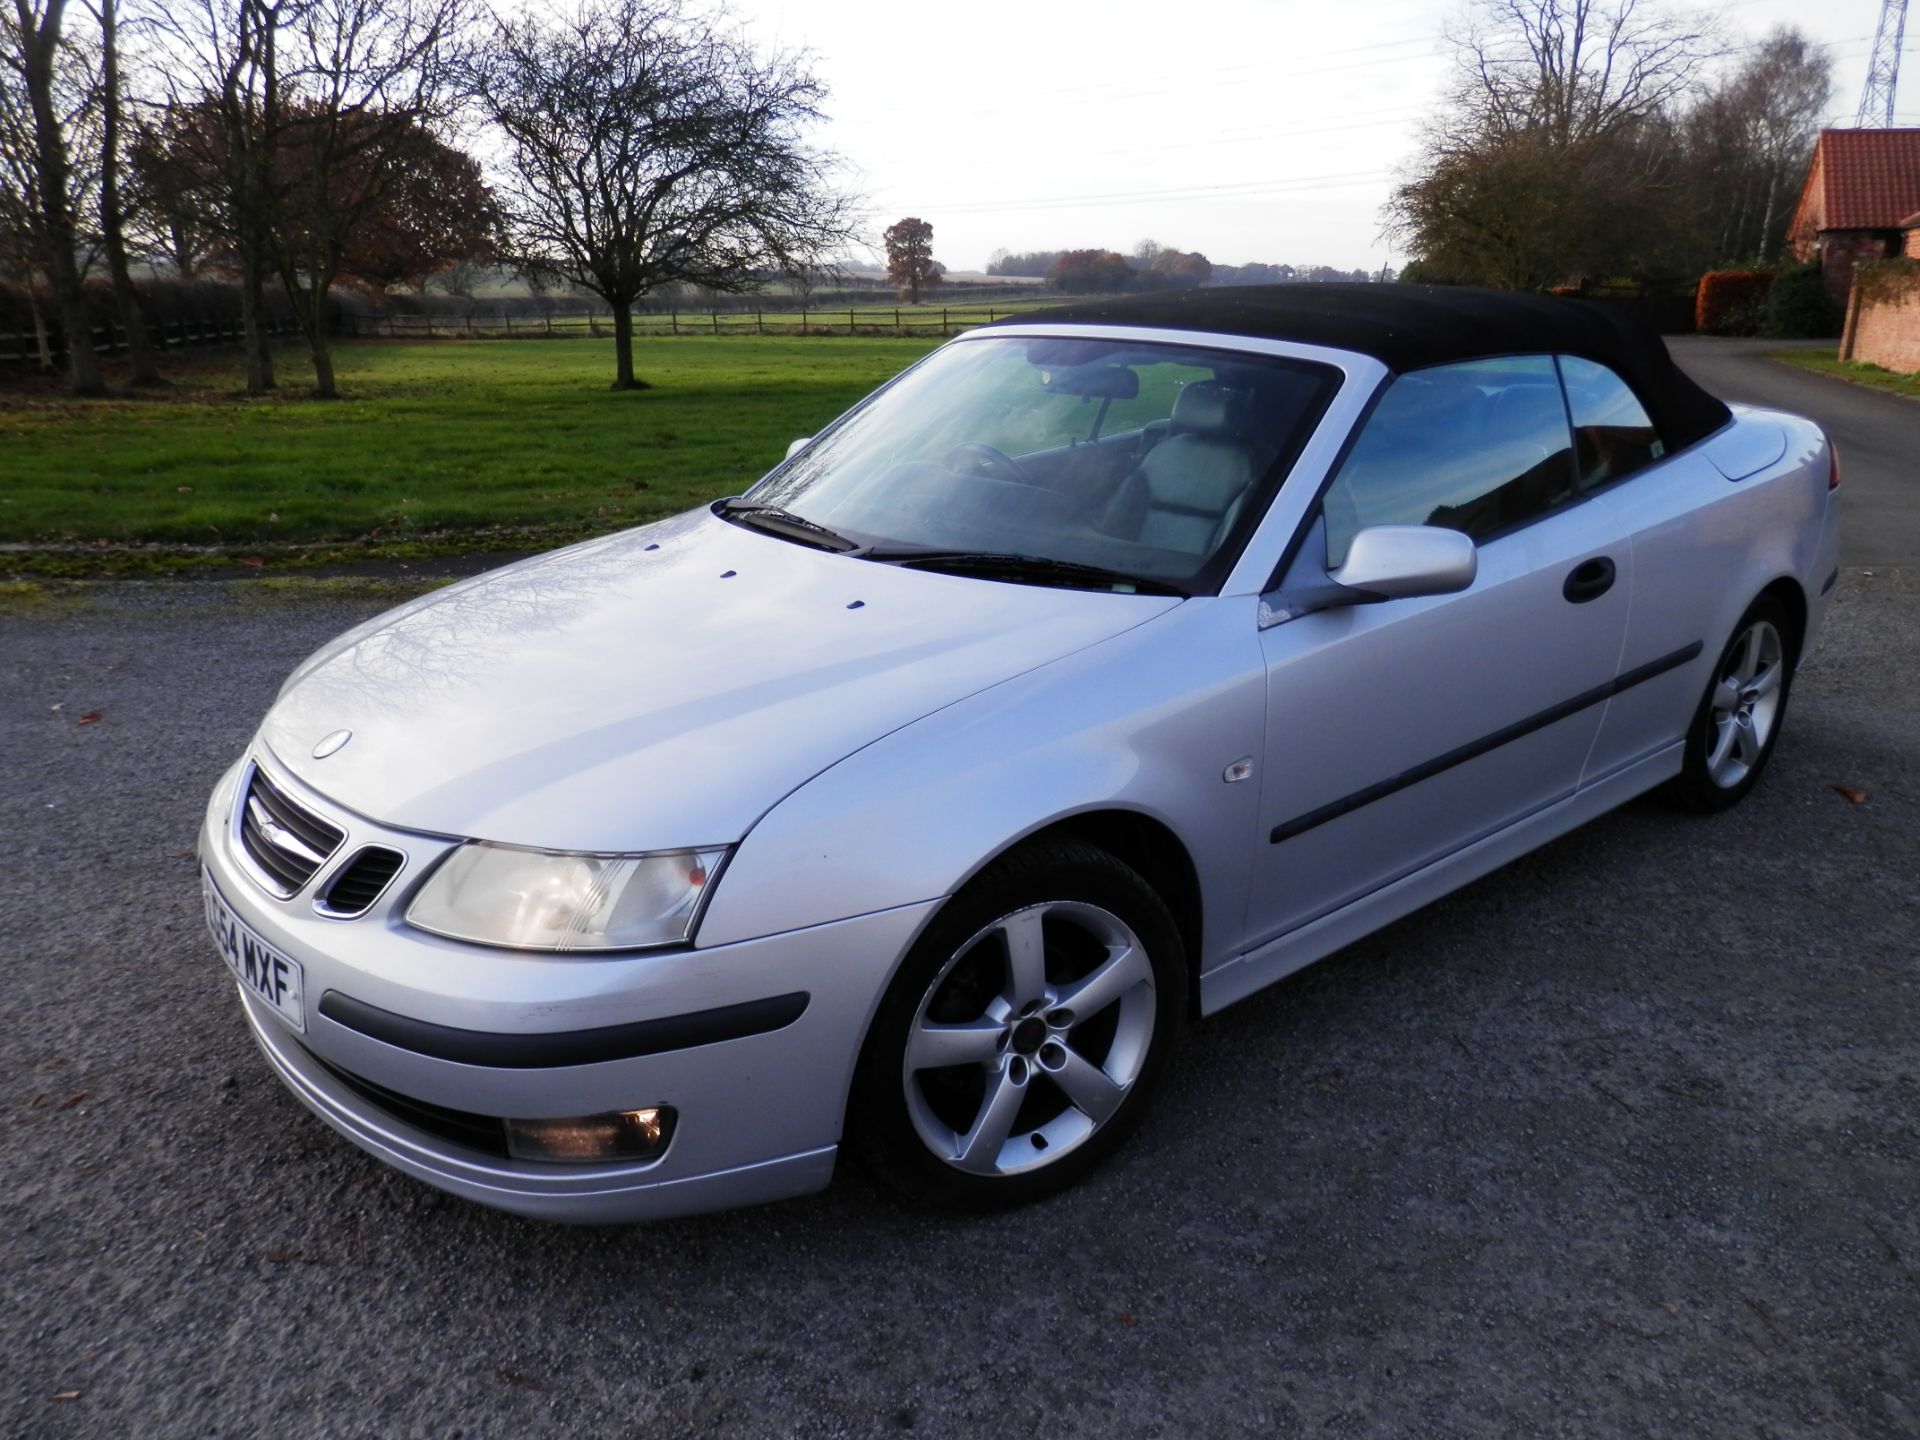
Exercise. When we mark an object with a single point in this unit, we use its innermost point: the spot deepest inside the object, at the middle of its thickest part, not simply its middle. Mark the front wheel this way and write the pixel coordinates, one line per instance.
(1025, 1032)
(1738, 722)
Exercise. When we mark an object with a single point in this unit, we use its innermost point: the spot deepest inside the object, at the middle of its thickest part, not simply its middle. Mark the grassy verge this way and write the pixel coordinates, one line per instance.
(438, 446)
(1827, 362)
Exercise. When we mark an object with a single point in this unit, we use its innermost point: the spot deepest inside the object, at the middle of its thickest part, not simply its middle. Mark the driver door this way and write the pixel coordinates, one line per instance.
(1401, 731)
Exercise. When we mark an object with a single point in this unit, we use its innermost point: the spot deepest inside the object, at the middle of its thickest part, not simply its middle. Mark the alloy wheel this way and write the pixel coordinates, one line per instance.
(1030, 1038)
(1745, 704)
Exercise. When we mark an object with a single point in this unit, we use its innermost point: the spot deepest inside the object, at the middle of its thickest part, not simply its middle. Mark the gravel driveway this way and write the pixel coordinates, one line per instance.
(1622, 1139)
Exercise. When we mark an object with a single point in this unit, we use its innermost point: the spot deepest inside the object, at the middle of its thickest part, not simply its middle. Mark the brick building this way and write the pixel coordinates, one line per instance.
(1858, 203)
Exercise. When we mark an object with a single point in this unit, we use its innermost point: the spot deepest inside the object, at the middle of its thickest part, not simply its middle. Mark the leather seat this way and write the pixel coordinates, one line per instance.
(1186, 492)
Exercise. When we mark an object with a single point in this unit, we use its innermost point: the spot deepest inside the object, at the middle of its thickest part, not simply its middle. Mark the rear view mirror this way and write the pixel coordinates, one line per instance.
(797, 446)
(1104, 382)
(1397, 562)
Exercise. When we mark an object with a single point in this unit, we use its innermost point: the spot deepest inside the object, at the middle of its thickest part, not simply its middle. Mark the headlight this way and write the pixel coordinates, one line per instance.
(538, 900)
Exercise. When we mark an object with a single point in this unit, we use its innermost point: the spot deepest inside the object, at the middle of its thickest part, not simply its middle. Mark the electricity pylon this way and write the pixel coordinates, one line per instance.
(1883, 70)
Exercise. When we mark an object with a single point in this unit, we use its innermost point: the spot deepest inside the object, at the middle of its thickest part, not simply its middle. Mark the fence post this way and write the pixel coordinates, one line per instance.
(989, 315)
(759, 323)
(675, 313)
(849, 322)
(803, 319)
(943, 320)
(896, 319)
(716, 322)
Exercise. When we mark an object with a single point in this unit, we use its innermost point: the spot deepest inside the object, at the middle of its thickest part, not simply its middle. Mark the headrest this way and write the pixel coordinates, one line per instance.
(1201, 406)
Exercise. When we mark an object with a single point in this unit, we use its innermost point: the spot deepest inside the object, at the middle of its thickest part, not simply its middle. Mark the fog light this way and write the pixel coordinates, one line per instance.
(585, 1139)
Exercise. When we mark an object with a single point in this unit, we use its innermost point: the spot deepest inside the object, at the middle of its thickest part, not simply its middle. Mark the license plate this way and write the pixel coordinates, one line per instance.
(272, 975)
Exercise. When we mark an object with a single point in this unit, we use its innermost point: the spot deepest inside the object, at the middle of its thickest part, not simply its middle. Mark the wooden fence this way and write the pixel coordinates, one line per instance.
(505, 325)
(22, 347)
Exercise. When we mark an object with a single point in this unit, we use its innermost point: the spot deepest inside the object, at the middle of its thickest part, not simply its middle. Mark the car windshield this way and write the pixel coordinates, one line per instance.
(1102, 463)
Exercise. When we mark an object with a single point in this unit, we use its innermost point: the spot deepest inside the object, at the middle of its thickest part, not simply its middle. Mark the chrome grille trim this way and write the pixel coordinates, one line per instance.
(279, 841)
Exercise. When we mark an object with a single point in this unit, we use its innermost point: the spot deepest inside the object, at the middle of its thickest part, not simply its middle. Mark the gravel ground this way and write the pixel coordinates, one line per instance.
(1622, 1139)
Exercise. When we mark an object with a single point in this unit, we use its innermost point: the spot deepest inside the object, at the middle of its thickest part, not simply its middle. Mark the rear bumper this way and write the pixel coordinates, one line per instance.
(752, 1044)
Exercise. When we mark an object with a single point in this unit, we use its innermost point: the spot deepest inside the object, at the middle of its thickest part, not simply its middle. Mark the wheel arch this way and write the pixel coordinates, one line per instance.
(1150, 847)
(1788, 592)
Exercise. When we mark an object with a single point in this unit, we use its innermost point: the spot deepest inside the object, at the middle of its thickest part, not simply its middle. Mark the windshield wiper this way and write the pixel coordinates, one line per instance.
(784, 522)
(1040, 569)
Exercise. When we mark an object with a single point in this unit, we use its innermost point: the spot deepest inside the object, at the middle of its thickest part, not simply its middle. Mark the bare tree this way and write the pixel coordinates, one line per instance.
(647, 146)
(113, 210)
(1748, 141)
(221, 129)
(1554, 155)
(1563, 72)
(363, 79)
(49, 92)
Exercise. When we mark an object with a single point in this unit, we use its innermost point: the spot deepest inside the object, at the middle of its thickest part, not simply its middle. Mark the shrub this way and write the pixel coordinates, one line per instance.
(1731, 302)
(1798, 306)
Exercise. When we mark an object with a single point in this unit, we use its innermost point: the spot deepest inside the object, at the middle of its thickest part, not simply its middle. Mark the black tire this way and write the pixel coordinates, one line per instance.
(1699, 786)
(1066, 887)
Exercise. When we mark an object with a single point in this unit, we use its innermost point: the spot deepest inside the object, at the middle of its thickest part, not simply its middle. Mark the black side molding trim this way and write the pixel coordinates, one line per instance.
(548, 1050)
(1474, 749)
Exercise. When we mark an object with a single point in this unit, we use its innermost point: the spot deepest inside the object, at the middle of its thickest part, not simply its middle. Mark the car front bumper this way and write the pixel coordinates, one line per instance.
(758, 1117)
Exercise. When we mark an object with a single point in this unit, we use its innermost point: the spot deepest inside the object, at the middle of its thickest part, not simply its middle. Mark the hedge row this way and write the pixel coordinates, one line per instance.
(1790, 304)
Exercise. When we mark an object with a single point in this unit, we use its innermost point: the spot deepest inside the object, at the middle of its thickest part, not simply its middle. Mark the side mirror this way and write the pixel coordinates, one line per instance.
(1384, 562)
(1396, 562)
(797, 446)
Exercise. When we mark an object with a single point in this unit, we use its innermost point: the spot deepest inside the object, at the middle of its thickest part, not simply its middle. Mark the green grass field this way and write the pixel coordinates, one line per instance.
(432, 437)
(1827, 362)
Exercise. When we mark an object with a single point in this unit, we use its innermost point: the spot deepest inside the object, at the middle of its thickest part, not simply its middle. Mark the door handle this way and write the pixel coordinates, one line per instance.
(1589, 580)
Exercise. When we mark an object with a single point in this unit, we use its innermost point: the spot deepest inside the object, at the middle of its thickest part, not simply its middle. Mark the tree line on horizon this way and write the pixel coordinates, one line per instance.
(1152, 266)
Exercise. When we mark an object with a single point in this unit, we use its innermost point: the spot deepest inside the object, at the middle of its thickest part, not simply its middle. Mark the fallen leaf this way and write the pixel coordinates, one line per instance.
(1848, 793)
(61, 706)
(71, 1100)
(184, 489)
(92, 717)
(68, 1395)
(1124, 1318)
(252, 561)
(514, 1377)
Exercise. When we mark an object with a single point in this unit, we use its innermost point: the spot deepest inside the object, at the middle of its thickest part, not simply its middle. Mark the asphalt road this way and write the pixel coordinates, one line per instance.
(1878, 435)
(1622, 1140)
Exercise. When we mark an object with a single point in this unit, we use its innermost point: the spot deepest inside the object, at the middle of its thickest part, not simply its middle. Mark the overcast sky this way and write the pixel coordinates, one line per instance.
(1247, 129)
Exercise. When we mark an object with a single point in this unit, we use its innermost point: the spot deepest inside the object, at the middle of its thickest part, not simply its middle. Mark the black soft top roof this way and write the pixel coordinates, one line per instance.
(1409, 327)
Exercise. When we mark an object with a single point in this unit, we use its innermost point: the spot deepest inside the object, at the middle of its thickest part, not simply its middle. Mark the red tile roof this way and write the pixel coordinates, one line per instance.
(1871, 177)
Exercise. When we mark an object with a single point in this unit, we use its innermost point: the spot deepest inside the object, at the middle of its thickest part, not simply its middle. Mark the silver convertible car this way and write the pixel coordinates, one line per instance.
(1097, 671)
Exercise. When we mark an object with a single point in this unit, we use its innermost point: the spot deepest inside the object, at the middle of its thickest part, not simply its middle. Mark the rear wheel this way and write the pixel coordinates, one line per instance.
(1025, 1032)
(1739, 719)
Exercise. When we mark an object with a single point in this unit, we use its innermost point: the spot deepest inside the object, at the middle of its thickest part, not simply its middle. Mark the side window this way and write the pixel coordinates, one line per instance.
(1611, 432)
(1475, 447)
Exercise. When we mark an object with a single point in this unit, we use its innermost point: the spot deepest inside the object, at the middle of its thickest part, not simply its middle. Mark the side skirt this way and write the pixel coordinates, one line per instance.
(1295, 950)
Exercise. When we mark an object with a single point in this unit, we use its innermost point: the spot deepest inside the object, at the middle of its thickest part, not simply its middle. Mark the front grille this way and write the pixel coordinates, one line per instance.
(360, 882)
(485, 1133)
(286, 841)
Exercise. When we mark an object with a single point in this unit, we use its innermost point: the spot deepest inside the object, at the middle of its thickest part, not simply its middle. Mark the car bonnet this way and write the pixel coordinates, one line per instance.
(655, 689)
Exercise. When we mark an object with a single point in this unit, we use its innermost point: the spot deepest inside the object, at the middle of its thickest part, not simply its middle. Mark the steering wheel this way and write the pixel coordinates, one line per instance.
(972, 453)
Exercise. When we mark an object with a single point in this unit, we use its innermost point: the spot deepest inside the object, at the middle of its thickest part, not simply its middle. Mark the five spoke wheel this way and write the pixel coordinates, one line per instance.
(1740, 715)
(1746, 703)
(1027, 1041)
(1023, 1035)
